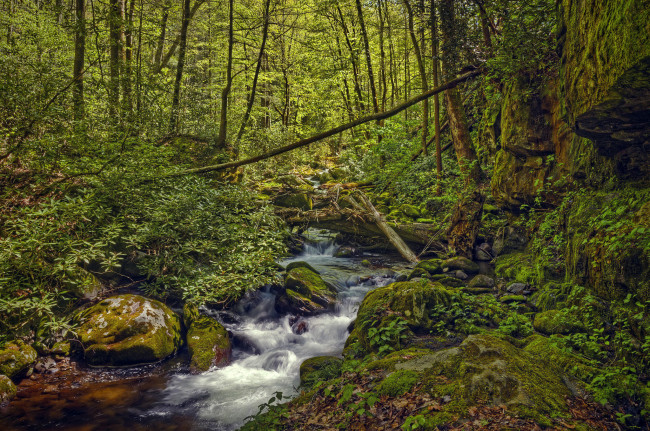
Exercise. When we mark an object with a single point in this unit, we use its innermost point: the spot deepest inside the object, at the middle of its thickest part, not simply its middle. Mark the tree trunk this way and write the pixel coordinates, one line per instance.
(423, 77)
(355, 64)
(128, 61)
(173, 122)
(177, 41)
(258, 67)
(436, 98)
(223, 125)
(465, 224)
(116, 31)
(157, 57)
(79, 55)
(382, 52)
(366, 44)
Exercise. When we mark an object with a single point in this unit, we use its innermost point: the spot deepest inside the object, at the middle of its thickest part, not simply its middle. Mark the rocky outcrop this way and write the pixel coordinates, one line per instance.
(7, 389)
(128, 330)
(208, 344)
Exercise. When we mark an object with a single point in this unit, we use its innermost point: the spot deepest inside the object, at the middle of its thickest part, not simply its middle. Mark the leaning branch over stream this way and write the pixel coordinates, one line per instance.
(304, 142)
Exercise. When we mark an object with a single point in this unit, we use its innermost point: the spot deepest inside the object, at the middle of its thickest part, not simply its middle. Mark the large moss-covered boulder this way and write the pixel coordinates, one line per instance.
(7, 389)
(319, 368)
(300, 264)
(209, 344)
(15, 359)
(408, 301)
(485, 369)
(460, 263)
(129, 330)
(432, 266)
(305, 293)
(557, 322)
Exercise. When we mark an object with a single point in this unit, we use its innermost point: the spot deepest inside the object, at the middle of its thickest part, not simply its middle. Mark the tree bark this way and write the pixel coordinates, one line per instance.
(157, 57)
(116, 34)
(79, 55)
(128, 60)
(366, 44)
(394, 239)
(258, 67)
(223, 125)
(173, 122)
(177, 41)
(304, 142)
(355, 63)
(436, 98)
(423, 77)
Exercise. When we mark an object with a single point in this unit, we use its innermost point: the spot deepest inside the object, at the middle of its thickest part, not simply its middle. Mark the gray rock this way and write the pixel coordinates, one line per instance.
(481, 281)
(518, 288)
(461, 275)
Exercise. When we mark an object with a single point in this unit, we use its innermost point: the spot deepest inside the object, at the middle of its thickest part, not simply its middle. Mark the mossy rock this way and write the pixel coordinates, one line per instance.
(85, 284)
(61, 348)
(486, 369)
(209, 344)
(557, 322)
(509, 299)
(451, 282)
(410, 211)
(190, 313)
(481, 281)
(319, 368)
(397, 383)
(411, 301)
(16, 358)
(129, 330)
(517, 267)
(7, 389)
(305, 293)
(418, 273)
(302, 201)
(460, 263)
(550, 354)
(339, 173)
(300, 264)
(432, 266)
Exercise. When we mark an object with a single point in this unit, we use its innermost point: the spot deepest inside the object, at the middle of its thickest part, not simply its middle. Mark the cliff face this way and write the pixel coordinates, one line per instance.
(588, 131)
(593, 119)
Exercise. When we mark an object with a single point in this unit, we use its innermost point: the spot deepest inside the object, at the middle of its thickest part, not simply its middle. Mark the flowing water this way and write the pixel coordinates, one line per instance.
(268, 351)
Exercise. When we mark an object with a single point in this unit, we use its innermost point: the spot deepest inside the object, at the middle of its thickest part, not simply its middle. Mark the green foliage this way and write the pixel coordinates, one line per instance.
(466, 314)
(269, 420)
(516, 325)
(384, 338)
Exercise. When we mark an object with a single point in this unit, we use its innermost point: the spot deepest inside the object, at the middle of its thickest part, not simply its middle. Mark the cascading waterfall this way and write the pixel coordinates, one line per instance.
(268, 350)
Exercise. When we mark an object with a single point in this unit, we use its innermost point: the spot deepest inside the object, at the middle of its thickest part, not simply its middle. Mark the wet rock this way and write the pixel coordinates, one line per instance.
(300, 264)
(46, 365)
(300, 327)
(460, 263)
(557, 322)
(305, 293)
(129, 330)
(483, 252)
(460, 275)
(61, 348)
(209, 344)
(418, 273)
(347, 251)
(16, 359)
(481, 281)
(518, 288)
(7, 389)
(319, 368)
(432, 266)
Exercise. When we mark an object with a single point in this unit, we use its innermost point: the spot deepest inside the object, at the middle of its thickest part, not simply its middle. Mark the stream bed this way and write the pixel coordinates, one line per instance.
(268, 350)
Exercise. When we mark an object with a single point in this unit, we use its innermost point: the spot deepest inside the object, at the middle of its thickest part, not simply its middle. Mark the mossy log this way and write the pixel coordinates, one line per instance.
(359, 223)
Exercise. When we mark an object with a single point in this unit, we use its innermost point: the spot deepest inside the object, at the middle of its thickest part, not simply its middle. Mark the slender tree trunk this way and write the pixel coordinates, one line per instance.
(382, 51)
(128, 61)
(173, 123)
(116, 31)
(436, 98)
(79, 55)
(258, 67)
(138, 79)
(393, 72)
(355, 64)
(157, 57)
(467, 160)
(366, 44)
(223, 125)
(177, 41)
(485, 25)
(423, 77)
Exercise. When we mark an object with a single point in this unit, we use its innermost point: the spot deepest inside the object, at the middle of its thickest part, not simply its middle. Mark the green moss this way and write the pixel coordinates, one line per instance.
(15, 358)
(296, 200)
(208, 344)
(507, 299)
(129, 329)
(432, 266)
(552, 356)
(300, 264)
(319, 368)
(557, 322)
(190, 313)
(461, 263)
(7, 389)
(518, 267)
(397, 383)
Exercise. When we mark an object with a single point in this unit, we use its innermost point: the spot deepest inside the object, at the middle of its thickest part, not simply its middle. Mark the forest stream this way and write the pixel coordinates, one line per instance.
(268, 350)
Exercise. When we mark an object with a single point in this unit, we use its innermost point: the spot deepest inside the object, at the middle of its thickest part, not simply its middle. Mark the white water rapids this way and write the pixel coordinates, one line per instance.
(268, 353)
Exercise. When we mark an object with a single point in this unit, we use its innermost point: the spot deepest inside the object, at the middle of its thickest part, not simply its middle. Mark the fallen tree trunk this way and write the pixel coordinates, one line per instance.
(390, 233)
(304, 142)
(353, 222)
